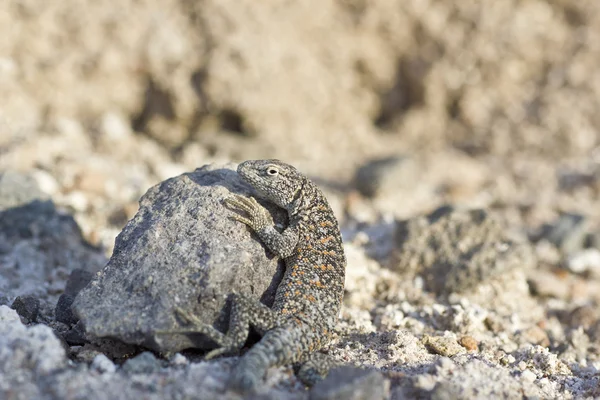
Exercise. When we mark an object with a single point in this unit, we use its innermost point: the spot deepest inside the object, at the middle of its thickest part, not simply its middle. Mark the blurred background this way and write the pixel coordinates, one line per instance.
(396, 107)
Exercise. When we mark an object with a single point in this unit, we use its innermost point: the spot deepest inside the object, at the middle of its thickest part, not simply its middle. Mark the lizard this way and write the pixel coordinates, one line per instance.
(309, 297)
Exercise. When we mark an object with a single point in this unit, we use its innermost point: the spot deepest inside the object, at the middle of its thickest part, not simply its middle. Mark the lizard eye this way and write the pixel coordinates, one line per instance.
(272, 171)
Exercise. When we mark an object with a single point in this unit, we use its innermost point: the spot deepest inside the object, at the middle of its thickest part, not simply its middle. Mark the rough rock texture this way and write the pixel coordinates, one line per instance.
(18, 189)
(478, 77)
(456, 250)
(405, 184)
(77, 280)
(323, 85)
(352, 384)
(39, 246)
(179, 251)
(28, 356)
(490, 105)
(388, 324)
(27, 307)
(458, 382)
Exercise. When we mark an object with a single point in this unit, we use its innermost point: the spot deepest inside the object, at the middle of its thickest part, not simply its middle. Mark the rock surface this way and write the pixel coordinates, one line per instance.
(28, 356)
(490, 105)
(39, 246)
(456, 250)
(352, 384)
(179, 251)
(77, 280)
(17, 189)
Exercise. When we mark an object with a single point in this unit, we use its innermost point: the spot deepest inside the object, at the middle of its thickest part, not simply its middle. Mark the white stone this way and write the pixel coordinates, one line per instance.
(103, 365)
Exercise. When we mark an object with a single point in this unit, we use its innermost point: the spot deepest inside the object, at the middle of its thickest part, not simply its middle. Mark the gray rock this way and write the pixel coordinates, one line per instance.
(204, 381)
(585, 262)
(77, 280)
(456, 250)
(180, 250)
(17, 189)
(102, 364)
(144, 363)
(371, 177)
(27, 307)
(27, 356)
(464, 381)
(442, 345)
(592, 240)
(42, 246)
(351, 383)
(63, 312)
(568, 233)
(75, 336)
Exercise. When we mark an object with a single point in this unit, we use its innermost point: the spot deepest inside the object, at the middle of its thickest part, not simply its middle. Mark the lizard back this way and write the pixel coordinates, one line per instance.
(313, 285)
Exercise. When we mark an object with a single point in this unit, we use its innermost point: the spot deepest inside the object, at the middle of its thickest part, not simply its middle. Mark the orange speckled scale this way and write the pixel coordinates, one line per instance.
(308, 299)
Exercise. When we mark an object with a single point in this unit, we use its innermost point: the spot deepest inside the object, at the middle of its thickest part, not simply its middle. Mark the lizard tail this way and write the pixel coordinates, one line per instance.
(278, 346)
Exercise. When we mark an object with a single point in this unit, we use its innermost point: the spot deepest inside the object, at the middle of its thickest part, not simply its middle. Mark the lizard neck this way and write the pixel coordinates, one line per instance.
(298, 205)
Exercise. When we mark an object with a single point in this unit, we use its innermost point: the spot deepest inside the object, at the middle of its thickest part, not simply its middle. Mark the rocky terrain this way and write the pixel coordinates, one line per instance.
(458, 143)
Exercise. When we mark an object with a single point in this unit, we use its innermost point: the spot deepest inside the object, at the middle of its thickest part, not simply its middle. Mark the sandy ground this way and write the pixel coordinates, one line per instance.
(394, 108)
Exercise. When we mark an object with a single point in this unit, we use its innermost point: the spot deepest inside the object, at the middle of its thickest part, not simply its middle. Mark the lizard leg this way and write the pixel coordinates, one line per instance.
(260, 221)
(285, 344)
(315, 368)
(245, 312)
(275, 348)
(195, 326)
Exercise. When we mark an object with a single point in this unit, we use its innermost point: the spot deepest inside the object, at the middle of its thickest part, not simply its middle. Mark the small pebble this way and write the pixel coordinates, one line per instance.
(469, 343)
(536, 335)
(351, 383)
(77, 200)
(114, 127)
(179, 360)
(103, 365)
(528, 375)
(584, 316)
(585, 261)
(27, 307)
(144, 363)
(507, 359)
(568, 232)
(373, 176)
(444, 346)
(46, 182)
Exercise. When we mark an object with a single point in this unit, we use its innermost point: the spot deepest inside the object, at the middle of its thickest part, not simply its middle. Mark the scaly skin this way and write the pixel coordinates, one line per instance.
(309, 297)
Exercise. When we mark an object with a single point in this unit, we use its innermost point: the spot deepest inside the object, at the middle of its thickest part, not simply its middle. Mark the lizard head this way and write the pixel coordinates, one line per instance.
(277, 181)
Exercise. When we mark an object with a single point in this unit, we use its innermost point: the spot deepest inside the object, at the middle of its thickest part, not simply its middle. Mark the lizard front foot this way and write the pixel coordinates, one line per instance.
(257, 217)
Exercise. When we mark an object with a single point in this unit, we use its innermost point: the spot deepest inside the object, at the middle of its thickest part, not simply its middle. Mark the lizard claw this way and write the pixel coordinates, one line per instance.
(187, 316)
(257, 217)
(219, 352)
(240, 202)
(241, 219)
